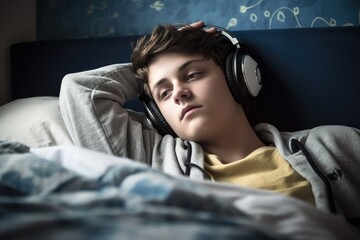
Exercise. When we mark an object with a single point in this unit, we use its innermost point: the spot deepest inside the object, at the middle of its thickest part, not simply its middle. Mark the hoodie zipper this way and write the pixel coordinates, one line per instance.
(330, 197)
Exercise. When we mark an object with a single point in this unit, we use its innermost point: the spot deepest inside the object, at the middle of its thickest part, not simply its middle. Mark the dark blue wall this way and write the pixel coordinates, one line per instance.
(58, 19)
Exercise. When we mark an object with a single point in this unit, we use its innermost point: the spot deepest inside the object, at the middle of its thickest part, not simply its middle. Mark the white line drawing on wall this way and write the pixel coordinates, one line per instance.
(330, 23)
(288, 17)
(243, 8)
(157, 5)
(283, 14)
(253, 17)
(232, 23)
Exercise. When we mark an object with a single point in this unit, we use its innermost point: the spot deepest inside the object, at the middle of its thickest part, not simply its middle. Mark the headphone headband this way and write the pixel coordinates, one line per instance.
(226, 34)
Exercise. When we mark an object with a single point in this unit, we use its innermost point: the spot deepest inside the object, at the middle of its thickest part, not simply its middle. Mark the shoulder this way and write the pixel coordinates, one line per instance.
(326, 135)
(338, 142)
(335, 132)
(324, 131)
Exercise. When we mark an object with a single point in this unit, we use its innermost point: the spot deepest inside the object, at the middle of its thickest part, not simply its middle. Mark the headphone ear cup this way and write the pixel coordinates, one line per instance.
(235, 81)
(155, 117)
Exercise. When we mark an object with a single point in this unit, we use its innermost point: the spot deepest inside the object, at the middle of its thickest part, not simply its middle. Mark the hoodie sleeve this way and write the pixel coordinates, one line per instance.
(91, 105)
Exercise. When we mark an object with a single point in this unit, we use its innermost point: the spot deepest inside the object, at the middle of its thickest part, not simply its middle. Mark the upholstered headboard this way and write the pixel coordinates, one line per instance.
(312, 75)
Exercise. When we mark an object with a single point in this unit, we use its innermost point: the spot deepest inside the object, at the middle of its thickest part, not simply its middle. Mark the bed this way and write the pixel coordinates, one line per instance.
(311, 78)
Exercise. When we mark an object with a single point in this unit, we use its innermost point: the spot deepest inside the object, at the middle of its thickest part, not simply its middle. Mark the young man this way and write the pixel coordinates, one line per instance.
(183, 72)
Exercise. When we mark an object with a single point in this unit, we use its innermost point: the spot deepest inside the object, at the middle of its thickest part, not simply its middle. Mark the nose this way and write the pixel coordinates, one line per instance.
(181, 93)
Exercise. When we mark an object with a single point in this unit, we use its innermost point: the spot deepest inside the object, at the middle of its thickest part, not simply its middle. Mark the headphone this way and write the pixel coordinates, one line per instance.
(242, 74)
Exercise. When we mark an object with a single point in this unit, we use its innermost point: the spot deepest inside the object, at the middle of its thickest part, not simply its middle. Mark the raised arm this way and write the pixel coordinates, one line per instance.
(91, 105)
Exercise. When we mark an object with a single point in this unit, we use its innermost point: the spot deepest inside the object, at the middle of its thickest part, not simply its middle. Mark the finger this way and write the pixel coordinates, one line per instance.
(211, 30)
(199, 24)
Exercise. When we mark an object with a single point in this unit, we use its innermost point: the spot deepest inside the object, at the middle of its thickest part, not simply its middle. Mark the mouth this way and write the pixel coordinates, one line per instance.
(187, 109)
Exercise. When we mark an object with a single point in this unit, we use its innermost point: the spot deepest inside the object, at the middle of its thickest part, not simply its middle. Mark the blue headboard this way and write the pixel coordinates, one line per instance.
(311, 74)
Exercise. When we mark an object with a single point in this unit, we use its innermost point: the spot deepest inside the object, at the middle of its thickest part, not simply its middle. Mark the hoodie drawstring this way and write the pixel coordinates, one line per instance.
(189, 164)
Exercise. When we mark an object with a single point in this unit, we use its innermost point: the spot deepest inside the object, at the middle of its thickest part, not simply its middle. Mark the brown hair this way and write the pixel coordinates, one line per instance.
(171, 39)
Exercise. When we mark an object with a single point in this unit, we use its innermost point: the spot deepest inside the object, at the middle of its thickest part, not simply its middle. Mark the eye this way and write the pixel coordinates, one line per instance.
(164, 93)
(193, 76)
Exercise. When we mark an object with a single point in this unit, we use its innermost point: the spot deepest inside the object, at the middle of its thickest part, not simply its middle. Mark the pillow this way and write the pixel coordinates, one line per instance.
(34, 121)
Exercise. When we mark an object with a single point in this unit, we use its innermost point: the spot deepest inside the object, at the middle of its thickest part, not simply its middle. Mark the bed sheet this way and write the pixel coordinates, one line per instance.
(66, 192)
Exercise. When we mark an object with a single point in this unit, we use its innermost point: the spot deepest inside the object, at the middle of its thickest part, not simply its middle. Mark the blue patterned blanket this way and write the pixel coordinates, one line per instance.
(42, 198)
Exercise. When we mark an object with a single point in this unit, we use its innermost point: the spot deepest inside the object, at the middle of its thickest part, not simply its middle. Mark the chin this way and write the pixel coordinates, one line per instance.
(195, 131)
(196, 136)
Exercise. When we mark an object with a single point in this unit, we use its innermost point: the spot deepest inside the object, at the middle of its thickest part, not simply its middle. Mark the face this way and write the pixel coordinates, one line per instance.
(193, 96)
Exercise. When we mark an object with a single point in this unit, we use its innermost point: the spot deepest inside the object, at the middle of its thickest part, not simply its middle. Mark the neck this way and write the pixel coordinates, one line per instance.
(235, 143)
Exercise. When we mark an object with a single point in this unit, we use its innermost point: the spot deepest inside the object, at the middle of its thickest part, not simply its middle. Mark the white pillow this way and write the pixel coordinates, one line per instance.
(35, 121)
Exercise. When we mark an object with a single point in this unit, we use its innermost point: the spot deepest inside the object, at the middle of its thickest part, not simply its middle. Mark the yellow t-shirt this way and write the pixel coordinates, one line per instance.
(264, 168)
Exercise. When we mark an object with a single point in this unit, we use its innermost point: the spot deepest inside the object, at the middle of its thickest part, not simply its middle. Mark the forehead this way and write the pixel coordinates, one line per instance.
(166, 65)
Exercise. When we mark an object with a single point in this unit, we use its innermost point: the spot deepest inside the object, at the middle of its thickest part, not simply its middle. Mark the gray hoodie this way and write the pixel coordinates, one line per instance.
(91, 104)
